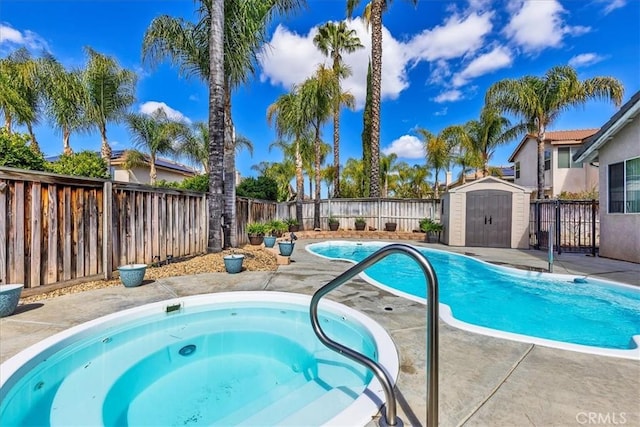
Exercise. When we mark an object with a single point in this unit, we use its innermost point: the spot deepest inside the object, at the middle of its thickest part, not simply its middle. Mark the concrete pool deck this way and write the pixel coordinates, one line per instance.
(484, 381)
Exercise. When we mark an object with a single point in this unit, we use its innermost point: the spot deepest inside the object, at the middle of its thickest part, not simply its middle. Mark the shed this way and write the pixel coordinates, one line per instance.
(489, 212)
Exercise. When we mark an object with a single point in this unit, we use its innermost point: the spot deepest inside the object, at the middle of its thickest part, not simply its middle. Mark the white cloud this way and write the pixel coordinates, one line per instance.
(407, 146)
(456, 37)
(448, 96)
(536, 25)
(585, 59)
(499, 57)
(611, 5)
(441, 112)
(290, 58)
(150, 107)
(11, 37)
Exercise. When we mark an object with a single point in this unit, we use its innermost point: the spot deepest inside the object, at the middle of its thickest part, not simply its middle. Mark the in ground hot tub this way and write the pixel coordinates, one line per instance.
(247, 358)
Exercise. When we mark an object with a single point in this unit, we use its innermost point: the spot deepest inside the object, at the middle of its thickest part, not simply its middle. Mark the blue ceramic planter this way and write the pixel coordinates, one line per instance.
(233, 263)
(269, 241)
(286, 248)
(9, 297)
(132, 275)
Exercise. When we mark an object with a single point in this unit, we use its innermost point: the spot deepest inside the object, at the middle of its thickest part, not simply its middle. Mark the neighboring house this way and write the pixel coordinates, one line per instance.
(562, 173)
(505, 173)
(166, 170)
(616, 150)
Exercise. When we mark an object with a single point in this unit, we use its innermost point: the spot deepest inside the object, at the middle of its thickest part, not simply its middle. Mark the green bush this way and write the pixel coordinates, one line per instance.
(276, 226)
(263, 188)
(85, 163)
(428, 225)
(16, 153)
(196, 183)
(256, 228)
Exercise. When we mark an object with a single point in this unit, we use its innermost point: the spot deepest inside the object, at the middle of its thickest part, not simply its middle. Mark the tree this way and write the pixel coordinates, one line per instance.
(154, 134)
(287, 117)
(110, 92)
(282, 173)
(65, 97)
(373, 16)
(438, 154)
(366, 135)
(186, 44)
(316, 95)
(353, 179)
(387, 167)
(263, 188)
(85, 163)
(538, 101)
(16, 152)
(333, 39)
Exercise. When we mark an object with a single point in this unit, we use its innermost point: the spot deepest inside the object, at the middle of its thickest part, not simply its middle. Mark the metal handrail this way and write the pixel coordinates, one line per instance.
(432, 329)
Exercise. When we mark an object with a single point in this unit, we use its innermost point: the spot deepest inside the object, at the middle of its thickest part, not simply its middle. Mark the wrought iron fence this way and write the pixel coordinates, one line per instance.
(575, 223)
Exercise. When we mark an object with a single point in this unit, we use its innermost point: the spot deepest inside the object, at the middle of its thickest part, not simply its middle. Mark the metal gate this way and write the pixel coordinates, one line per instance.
(576, 225)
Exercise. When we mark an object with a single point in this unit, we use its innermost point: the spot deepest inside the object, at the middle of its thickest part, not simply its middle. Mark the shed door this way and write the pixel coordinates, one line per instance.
(488, 220)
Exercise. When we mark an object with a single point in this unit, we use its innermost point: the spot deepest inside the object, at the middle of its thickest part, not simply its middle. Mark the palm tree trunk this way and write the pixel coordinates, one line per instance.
(336, 150)
(540, 141)
(216, 126)
(299, 185)
(376, 78)
(7, 122)
(229, 173)
(316, 199)
(153, 175)
(34, 143)
(66, 135)
(105, 149)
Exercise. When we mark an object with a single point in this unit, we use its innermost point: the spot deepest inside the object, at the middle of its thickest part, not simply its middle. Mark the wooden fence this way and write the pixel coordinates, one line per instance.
(56, 228)
(406, 213)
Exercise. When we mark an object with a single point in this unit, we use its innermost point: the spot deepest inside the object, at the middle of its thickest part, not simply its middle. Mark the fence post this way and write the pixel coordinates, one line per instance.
(107, 227)
(537, 225)
(593, 227)
(558, 215)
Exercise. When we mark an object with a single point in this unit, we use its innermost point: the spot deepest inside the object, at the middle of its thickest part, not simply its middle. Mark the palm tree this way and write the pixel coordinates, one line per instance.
(387, 167)
(24, 75)
(282, 173)
(155, 134)
(438, 154)
(538, 101)
(11, 102)
(333, 39)
(286, 115)
(373, 16)
(110, 91)
(64, 100)
(317, 95)
(186, 44)
(353, 179)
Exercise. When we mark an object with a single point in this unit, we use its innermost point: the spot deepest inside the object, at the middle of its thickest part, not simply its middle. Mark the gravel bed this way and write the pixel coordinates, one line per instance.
(256, 258)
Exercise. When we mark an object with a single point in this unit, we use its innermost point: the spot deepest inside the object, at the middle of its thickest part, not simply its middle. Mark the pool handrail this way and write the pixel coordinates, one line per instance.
(432, 329)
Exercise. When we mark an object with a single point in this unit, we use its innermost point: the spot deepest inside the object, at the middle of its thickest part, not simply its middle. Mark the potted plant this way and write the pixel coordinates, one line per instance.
(233, 263)
(390, 226)
(132, 275)
(256, 231)
(286, 247)
(334, 224)
(292, 224)
(361, 223)
(432, 229)
(276, 227)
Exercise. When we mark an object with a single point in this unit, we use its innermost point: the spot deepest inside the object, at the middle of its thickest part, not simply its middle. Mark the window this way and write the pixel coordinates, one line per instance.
(547, 160)
(624, 186)
(565, 158)
(517, 168)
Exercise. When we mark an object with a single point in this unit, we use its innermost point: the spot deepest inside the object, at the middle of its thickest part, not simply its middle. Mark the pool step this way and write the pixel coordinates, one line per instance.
(261, 402)
(285, 406)
(322, 409)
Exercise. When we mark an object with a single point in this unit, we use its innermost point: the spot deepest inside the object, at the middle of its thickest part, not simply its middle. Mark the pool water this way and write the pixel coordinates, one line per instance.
(549, 306)
(240, 363)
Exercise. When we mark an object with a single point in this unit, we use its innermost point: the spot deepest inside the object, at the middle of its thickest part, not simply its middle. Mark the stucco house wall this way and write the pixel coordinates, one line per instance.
(140, 175)
(619, 232)
(528, 172)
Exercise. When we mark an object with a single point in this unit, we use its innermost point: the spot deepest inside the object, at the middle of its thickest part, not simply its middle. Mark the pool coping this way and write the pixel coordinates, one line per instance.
(446, 314)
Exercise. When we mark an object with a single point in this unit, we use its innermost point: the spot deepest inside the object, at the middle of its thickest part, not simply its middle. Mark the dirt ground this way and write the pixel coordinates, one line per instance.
(256, 258)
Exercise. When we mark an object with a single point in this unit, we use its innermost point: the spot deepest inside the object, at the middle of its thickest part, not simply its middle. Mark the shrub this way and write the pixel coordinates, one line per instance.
(196, 183)
(333, 220)
(276, 226)
(85, 163)
(256, 228)
(428, 225)
(16, 152)
(263, 188)
(360, 220)
(291, 221)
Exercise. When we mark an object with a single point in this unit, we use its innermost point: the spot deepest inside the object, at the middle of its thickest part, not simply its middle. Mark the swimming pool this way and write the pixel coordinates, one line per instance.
(237, 358)
(550, 309)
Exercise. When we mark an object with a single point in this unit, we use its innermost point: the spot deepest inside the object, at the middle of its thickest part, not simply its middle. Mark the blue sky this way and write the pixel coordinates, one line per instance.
(439, 59)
